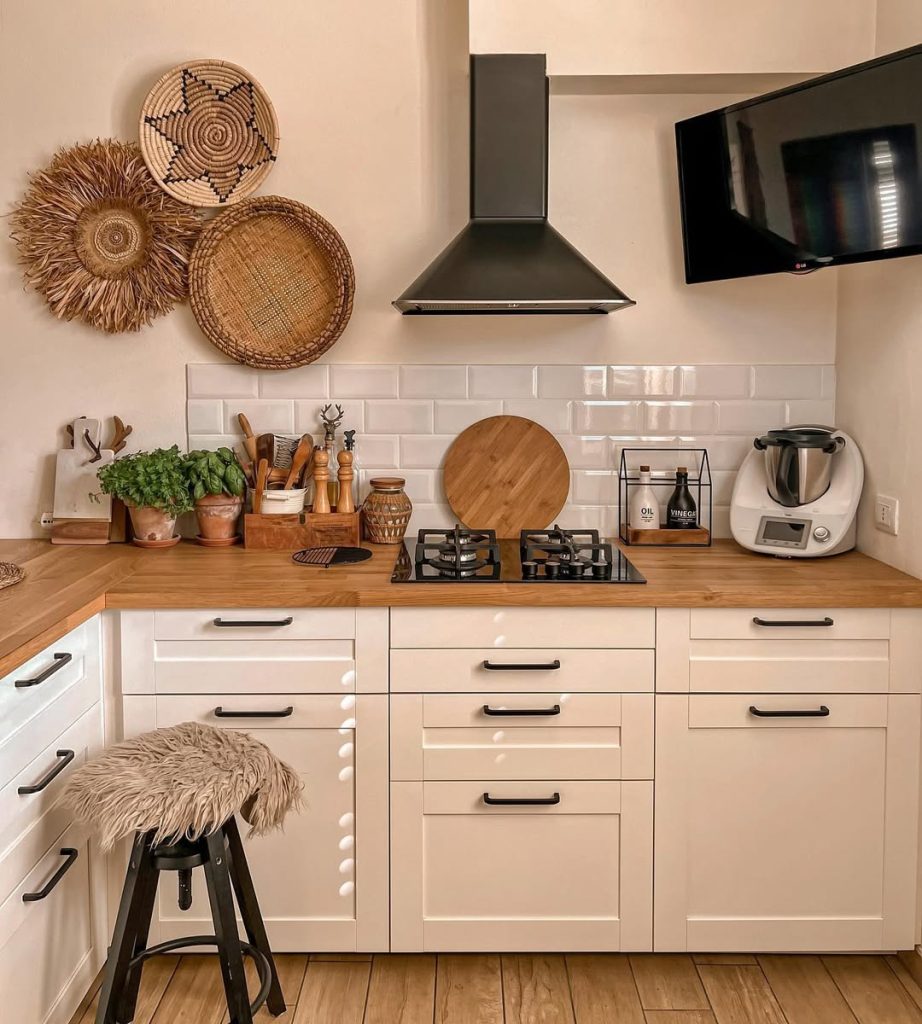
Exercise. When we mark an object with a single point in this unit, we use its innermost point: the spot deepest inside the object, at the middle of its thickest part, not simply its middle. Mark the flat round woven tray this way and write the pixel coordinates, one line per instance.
(271, 283)
(10, 573)
(208, 133)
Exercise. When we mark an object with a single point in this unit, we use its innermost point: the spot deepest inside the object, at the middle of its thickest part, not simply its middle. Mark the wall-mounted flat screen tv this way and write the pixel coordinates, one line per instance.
(823, 173)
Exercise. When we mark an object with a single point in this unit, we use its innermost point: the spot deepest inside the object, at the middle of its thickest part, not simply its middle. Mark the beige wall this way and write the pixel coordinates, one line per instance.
(372, 103)
(879, 362)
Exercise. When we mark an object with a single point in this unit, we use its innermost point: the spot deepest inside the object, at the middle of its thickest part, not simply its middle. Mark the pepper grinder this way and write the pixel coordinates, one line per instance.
(321, 478)
(345, 458)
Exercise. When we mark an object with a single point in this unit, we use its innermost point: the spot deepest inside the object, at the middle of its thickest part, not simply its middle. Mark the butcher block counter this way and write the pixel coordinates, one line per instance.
(66, 585)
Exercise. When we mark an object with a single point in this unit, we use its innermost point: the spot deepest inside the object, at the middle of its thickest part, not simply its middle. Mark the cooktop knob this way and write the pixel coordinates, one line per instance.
(821, 534)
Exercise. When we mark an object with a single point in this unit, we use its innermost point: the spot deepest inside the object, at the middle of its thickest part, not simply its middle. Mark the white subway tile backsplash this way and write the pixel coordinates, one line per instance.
(787, 382)
(552, 413)
(631, 381)
(220, 380)
(307, 416)
(424, 451)
(716, 381)
(311, 381)
(398, 416)
(501, 381)
(680, 417)
(572, 381)
(354, 380)
(211, 442)
(433, 382)
(453, 417)
(749, 417)
(407, 417)
(204, 416)
(265, 416)
(606, 417)
(821, 411)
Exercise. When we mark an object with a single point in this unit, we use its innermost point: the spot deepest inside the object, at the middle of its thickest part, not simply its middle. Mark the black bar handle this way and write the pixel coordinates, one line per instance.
(284, 713)
(785, 623)
(245, 623)
(548, 666)
(521, 801)
(517, 712)
(60, 660)
(66, 757)
(821, 712)
(46, 889)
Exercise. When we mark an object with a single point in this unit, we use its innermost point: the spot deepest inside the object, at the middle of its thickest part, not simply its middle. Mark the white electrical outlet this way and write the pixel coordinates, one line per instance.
(46, 519)
(887, 514)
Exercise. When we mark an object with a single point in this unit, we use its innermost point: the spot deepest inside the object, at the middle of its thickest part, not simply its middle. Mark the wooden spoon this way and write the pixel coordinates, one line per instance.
(262, 476)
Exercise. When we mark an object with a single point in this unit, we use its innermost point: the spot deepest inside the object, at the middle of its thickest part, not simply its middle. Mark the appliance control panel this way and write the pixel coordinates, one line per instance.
(774, 532)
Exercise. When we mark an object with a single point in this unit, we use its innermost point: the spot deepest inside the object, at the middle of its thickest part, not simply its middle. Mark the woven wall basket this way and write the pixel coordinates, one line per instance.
(208, 133)
(271, 283)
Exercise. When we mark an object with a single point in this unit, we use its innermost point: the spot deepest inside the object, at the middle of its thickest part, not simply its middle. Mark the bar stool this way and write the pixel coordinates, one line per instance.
(169, 788)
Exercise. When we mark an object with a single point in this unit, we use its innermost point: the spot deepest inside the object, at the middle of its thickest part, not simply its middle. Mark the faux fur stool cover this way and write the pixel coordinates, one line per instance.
(184, 781)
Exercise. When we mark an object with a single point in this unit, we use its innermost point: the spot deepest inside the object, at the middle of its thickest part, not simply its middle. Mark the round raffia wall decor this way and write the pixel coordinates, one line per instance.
(208, 133)
(271, 283)
(100, 241)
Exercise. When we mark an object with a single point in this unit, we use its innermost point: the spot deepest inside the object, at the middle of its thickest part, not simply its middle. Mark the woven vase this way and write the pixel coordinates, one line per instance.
(386, 511)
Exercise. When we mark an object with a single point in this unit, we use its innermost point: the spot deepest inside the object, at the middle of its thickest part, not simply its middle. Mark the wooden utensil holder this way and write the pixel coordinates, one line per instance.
(306, 529)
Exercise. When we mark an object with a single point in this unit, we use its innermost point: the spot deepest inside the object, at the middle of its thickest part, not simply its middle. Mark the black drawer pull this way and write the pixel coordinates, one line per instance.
(249, 623)
(548, 666)
(821, 712)
(60, 660)
(284, 713)
(520, 801)
(797, 623)
(66, 757)
(40, 894)
(520, 712)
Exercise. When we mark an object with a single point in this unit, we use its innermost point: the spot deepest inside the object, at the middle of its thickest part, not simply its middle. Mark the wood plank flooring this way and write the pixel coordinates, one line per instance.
(548, 989)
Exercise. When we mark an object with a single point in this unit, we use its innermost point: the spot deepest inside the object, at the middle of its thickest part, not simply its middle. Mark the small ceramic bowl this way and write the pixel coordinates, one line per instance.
(283, 503)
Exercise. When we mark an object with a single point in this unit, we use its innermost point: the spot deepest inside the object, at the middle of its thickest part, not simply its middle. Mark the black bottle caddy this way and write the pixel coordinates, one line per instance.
(664, 462)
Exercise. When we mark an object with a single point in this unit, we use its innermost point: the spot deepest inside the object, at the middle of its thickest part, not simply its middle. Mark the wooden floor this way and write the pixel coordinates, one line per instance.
(551, 989)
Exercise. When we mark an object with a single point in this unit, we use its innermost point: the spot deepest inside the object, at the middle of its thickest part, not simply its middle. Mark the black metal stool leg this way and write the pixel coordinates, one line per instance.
(249, 911)
(217, 875)
(129, 924)
(145, 899)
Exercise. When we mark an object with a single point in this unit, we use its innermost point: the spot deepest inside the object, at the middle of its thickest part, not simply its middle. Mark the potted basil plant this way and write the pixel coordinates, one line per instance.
(154, 488)
(218, 485)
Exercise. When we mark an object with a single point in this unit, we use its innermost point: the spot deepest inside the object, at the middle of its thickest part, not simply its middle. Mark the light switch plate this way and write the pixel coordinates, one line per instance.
(887, 514)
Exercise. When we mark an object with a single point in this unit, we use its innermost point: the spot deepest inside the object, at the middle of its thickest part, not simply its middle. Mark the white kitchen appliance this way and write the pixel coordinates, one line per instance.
(796, 494)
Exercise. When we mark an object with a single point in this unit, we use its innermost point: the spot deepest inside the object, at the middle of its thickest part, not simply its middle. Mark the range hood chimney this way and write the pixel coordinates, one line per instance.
(509, 259)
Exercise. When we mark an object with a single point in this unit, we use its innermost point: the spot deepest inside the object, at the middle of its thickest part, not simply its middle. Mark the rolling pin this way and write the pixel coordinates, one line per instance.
(249, 439)
(321, 477)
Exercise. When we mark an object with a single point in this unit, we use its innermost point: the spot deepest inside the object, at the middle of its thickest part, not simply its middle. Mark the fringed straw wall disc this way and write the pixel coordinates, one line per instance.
(100, 241)
(271, 283)
(208, 133)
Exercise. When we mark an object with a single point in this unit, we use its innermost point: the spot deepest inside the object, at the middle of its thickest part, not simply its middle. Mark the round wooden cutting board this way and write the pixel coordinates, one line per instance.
(507, 474)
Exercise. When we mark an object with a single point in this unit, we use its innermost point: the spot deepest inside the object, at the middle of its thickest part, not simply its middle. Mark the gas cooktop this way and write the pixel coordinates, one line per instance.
(540, 556)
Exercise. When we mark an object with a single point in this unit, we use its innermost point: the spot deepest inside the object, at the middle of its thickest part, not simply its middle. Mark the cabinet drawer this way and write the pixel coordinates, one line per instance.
(31, 716)
(20, 812)
(521, 736)
(553, 670)
(270, 711)
(569, 874)
(228, 666)
(807, 711)
(522, 627)
(789, 624)
(848, 666)
(46, 947)
(255, 624)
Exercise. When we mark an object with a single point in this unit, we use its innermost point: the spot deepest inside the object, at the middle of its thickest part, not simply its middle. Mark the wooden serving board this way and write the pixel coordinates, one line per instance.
(508, 474)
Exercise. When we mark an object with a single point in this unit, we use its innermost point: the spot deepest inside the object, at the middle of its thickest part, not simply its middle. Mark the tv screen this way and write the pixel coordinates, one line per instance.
(823, 173)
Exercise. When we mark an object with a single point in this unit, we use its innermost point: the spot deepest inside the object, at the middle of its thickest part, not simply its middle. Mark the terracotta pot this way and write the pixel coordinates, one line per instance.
(218, 516)
(151, 523)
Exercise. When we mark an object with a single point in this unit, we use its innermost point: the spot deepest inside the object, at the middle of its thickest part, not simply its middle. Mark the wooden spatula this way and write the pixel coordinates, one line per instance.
(302, 454)
(262, 476)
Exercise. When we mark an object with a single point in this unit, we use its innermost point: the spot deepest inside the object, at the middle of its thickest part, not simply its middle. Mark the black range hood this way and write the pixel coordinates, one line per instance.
(509, 259)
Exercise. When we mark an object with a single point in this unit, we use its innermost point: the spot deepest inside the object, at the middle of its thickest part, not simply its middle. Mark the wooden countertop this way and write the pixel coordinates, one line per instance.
(66, 585)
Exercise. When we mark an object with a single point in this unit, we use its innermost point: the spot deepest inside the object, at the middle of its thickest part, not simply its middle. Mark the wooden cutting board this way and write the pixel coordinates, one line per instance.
(508, 474)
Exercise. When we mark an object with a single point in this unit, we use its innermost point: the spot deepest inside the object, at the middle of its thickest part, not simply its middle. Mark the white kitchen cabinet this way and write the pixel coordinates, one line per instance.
(471, 872)
(782, 832)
